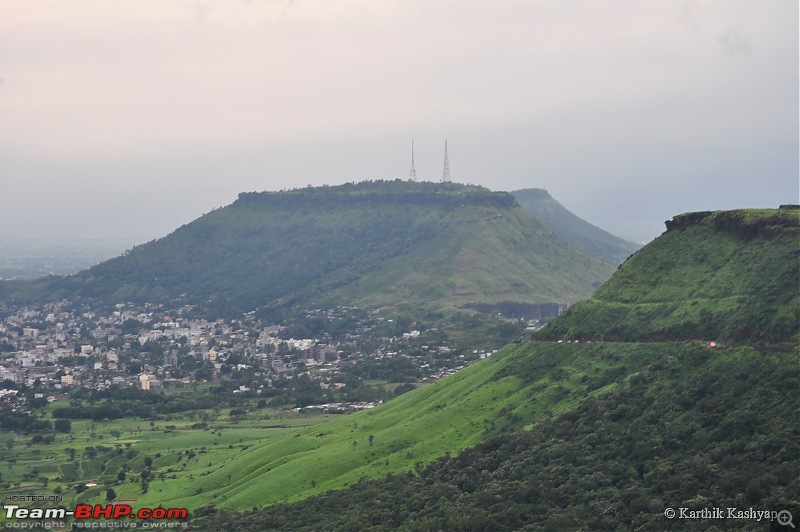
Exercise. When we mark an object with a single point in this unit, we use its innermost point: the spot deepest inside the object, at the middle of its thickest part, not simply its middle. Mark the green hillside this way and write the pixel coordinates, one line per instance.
(547, 434)
(520, 386)
(685, 426)
(576, 231)
(378, 244)
(615, 432)
(729, 275)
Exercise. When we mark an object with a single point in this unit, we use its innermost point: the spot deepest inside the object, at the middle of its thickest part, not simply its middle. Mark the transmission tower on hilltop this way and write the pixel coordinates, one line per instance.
(446, 170)
(412, 175)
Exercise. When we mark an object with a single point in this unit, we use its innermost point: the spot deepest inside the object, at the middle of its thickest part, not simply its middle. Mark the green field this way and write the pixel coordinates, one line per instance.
(176, 448)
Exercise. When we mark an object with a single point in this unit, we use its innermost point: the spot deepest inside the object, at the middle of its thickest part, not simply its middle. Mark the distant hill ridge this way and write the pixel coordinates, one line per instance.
(376, 244)
(577, 232)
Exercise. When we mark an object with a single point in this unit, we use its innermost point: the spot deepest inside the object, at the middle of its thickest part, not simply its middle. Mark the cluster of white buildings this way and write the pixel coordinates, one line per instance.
(61, 345)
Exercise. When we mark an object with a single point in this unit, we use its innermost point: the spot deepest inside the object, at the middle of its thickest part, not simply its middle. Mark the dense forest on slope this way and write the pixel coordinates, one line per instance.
(730, 275)
(577, 232)
(437, 245)
(700, 428)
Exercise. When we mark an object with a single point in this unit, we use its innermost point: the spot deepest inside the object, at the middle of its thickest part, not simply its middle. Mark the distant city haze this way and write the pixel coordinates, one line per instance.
(124, 120)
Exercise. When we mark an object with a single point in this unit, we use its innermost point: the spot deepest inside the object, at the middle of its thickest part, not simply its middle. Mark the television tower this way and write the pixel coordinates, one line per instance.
(412, 175)
(446, 170)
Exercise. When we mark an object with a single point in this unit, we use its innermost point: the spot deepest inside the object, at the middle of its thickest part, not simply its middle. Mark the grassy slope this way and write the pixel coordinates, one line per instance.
(517, 387)
(729, 276)
(572, 229)
(286, 467)
(689, 427)
(481, 255)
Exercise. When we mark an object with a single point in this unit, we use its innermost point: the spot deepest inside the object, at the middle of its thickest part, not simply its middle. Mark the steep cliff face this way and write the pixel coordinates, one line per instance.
(745, 224)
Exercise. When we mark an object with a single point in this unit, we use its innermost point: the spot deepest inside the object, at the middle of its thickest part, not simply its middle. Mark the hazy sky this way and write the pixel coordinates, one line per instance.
(134, 117)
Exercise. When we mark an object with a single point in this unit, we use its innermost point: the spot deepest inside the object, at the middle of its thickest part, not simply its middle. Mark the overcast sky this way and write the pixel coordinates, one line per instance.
(134, 117)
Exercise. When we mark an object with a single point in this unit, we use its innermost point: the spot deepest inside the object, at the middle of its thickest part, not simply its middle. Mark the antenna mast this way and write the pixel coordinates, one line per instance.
(446, 170)
(412, 175)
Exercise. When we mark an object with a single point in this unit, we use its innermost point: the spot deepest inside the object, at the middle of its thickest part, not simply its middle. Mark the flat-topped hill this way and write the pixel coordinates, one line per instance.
(724, 275)
(374, 244)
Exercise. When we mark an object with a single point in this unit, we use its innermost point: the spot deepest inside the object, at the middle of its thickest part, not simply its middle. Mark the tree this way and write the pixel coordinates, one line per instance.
(63, 425)
(236, 414)
(205, 373)
(111, 494)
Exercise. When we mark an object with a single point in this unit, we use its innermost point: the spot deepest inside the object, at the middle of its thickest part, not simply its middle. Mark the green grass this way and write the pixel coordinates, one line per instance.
(682, 425)
(480, 255)
(730, 276)
(518, 387)
(47, 469)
